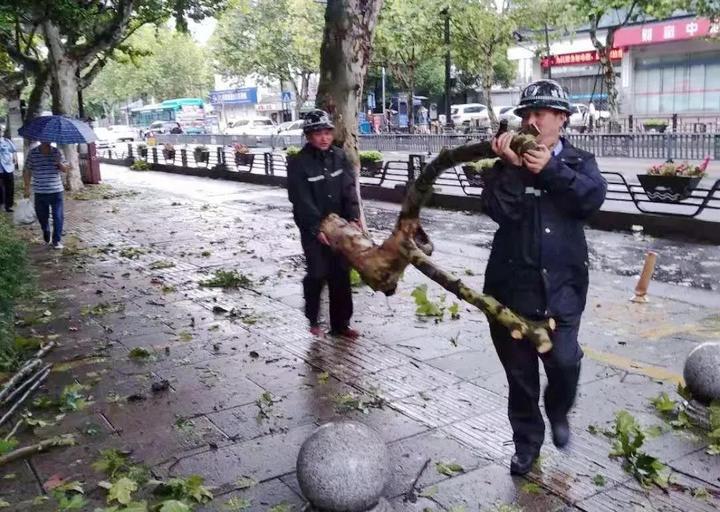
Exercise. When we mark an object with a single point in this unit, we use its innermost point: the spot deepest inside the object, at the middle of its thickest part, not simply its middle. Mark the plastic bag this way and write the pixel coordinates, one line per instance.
(24, 212)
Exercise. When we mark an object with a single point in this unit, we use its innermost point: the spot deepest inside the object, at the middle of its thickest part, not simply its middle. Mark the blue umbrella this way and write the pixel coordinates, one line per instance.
(59, 129)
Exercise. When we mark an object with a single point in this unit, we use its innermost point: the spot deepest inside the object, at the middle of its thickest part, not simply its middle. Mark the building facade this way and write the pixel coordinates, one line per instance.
(662, 68)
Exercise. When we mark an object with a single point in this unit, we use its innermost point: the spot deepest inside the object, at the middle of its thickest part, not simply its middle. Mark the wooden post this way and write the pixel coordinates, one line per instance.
(645, 276)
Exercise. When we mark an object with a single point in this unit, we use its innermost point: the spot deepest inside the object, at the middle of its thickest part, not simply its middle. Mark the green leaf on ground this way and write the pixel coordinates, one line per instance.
(281, 507)
(682, 421)
(355, 279)
(684, 392)
(629, 438)
(599, 480)
(185, 336)
(72, 398)
(323, 377)
(174, 506)
(448, 469)
(121, 491)
(3, 503)
(140, 353)
(7, 445)
(346, 402)
(104, 308)
(664, 404)
(131, 253)
(531, 488)
(424, 306)
(236, 504)
(245, 482)
(454, 311)
(161, 264)
(428, 492)
(227, 279)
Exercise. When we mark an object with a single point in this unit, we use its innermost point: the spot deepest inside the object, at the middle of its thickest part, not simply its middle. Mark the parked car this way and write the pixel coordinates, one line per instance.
(508, 112)
(579, 117)
(470, 114)
(162, 127)
(291, 128)
(254, 126)
(105, 139)
(123, 133)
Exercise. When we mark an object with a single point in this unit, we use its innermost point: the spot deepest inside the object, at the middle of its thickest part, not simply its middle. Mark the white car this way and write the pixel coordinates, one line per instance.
(123, 133)
(105, 139)
(579, 116)
(470, 114)
(255, 126)
(508, 112)
(291, 128)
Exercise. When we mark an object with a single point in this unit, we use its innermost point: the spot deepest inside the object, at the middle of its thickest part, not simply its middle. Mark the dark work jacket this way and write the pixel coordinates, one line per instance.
(320, 183)
(539, 261)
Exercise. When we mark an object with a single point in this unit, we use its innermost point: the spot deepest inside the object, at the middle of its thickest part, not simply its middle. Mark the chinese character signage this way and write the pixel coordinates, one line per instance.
(580, 58)
(243, 95)
(665, 31)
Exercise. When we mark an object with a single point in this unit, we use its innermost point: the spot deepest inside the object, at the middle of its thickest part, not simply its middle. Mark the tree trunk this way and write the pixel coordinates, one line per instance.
(344, 58)
(40, 89)
(411, 100)
(608, 73)
(487, 82)
(63, 70)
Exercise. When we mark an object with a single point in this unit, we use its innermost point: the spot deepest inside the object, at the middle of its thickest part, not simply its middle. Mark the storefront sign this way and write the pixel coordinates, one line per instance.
(573, 59)
(666, 31)
(241, 96)
(269, 107)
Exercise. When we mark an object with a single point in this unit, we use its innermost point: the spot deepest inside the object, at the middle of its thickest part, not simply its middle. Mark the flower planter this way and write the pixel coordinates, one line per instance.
(473, 176)
(371, 168)
(202, 156)
(668, 189)
(246, 159)
(659, 128)
(169, 154)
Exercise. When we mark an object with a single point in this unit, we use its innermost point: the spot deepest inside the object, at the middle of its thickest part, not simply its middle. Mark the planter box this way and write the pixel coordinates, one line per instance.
(169, 154)
(370, 169)
(660, 128)
(668, 189)
(246, 159)
(473, 176)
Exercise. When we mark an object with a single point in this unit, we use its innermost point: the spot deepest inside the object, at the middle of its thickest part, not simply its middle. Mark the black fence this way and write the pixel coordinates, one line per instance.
(397, 173)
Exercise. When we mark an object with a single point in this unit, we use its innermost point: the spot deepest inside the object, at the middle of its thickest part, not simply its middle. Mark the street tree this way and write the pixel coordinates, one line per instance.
(408, 35)
(624, 11)
(344, 58)
(273, 40)
(149, 67)
(78, 39)
(482, 34)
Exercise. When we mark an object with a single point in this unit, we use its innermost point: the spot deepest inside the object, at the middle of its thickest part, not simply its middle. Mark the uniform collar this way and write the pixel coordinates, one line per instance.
(558, 148)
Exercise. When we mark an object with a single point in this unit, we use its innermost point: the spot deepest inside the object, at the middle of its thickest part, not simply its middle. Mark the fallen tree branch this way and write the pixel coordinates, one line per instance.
(28, 382)
(26, 369)
(382, 266)
(17, 404)
(28, 451)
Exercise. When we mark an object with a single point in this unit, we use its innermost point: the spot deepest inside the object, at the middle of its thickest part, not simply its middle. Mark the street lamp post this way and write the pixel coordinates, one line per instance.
(446, 12)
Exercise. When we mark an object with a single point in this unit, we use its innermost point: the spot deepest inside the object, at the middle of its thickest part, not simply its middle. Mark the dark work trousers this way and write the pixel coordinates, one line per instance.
(323, 265)
(7, 189)
(562, 367)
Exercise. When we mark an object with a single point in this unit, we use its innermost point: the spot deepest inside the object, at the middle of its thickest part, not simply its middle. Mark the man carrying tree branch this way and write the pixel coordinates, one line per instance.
(538, 266)
(320, 182)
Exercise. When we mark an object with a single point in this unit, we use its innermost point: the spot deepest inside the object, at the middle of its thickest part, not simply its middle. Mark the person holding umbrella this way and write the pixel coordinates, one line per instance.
(45, 163)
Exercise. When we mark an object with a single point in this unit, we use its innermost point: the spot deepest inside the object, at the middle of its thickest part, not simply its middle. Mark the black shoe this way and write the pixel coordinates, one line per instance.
(560, 432)
(9, 210)
(46, 236)
(522, 462)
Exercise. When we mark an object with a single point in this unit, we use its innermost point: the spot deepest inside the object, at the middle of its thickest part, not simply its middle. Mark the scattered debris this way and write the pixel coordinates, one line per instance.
(448, 469)
(160, 386)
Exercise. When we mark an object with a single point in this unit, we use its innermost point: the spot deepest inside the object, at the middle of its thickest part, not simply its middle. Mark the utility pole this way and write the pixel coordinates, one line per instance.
(446, 13)
(383, 91)
(547, 51)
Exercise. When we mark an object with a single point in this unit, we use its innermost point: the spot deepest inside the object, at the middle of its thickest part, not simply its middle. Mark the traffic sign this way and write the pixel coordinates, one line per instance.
(286, 96)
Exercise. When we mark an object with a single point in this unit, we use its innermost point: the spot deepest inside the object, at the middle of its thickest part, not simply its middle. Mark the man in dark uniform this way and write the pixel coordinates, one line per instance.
(321, 181)
(539, 263)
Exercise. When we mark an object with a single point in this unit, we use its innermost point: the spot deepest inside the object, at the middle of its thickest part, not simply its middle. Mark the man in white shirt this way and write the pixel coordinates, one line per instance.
(8, 164)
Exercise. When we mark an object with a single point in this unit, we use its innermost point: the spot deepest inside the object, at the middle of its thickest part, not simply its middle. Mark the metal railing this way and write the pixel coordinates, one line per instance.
(395, 173)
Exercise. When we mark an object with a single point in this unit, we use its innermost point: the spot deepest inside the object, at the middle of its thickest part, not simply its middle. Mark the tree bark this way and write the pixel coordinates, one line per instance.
(381, 266)
(63, 70)
(487, 81)
(344, 58)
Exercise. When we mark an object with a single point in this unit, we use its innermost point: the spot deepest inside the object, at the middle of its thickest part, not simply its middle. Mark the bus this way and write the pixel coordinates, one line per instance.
(188, 112)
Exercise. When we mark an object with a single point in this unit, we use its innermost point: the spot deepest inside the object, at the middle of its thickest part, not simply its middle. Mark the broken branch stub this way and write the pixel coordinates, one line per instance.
(381, 266)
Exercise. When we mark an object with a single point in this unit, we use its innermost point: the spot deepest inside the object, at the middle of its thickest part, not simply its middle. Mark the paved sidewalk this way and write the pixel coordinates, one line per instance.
(130, 277)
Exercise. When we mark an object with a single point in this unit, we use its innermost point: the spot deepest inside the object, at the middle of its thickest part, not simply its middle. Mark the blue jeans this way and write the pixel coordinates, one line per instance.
(43, 204)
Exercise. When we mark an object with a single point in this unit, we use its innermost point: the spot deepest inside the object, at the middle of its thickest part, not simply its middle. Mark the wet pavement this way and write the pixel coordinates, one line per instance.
(131, 276)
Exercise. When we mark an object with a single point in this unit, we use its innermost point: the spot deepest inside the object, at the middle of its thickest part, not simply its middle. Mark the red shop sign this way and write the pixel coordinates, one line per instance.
(579, 58)
(665, 31)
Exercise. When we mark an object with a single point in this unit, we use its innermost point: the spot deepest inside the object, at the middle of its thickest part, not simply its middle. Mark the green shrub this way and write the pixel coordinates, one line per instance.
(16, 283)
(292, 151)
(370, 156)
(140, 165)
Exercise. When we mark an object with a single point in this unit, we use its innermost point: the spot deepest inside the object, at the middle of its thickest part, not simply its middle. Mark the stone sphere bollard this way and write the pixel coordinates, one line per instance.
(343, 466)
(702, 372)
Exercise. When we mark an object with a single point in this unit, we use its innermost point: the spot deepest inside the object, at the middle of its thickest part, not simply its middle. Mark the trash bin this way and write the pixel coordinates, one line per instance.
(89, 164)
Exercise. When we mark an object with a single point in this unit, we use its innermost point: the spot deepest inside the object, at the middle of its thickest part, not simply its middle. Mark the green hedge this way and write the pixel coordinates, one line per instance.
(16, 282)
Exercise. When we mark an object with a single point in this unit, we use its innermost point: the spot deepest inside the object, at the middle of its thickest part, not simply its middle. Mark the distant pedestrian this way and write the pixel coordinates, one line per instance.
(8, 165)
(538, 265)
(321, 181)
(42, 170)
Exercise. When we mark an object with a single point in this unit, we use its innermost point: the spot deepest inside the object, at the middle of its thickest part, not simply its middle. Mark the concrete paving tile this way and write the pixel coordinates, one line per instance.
(258, 498)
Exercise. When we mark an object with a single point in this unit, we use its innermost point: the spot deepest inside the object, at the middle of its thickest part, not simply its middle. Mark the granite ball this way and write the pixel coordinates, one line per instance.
(702, 372)
(343, 466)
